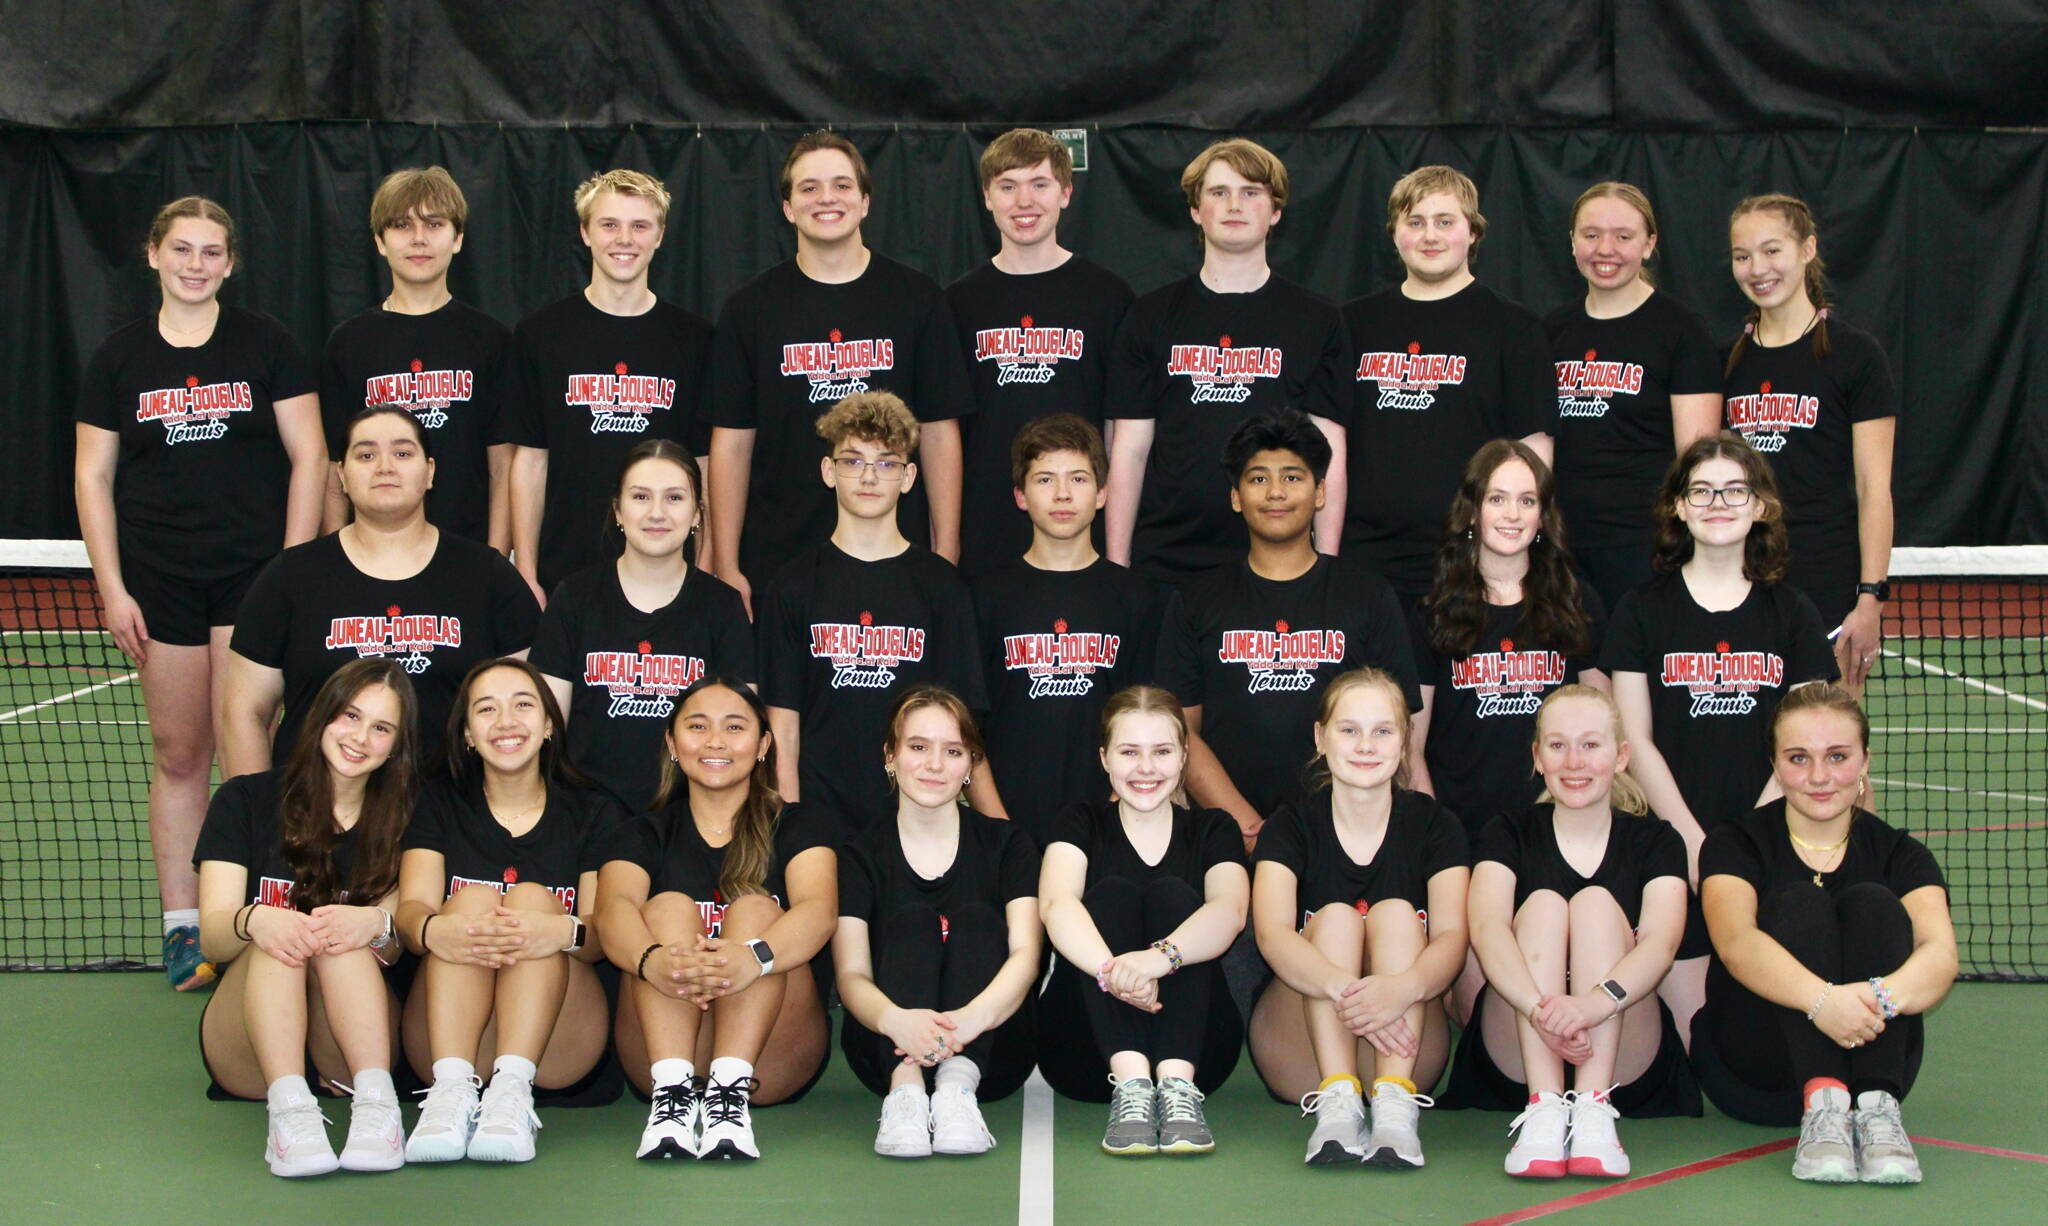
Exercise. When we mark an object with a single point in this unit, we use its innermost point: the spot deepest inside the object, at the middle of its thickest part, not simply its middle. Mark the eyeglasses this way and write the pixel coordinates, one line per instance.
(1703, 496)
(885, 470)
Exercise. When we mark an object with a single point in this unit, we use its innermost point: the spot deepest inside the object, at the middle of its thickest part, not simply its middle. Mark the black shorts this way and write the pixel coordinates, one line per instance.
(1666, 1088)
(181, 612)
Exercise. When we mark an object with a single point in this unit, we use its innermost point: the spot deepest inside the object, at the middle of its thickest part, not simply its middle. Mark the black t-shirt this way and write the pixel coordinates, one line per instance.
(570, 839)
(1055, 646)
(839, 639)
(1715, 680)
(1201, 840)
(1423, 839)
(1434, 380)
(1197, 363)
(310, 611)
(626, 668)
(447, 368)
(199, 491)
(996, 863)
(589, 386)
(1482, 717)
(1035, 344)
(788, 349)
(1639, 850)
(667, 844)
(1801, 413)
(241, 828)
(1255, 654)
(1615, 381)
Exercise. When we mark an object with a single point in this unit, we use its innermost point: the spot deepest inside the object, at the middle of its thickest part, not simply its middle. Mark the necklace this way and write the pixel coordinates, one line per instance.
(1825, 850)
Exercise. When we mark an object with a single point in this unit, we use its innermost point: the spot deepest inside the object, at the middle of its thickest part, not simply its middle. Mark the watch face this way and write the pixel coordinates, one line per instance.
(762, 953)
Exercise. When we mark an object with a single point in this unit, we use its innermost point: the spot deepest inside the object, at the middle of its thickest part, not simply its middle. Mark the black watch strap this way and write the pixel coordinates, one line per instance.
(1881, 589)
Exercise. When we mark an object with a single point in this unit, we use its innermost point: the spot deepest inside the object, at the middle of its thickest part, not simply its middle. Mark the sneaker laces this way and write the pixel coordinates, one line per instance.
(900, 1107)
(503, 1109)
(1825, 1124)
(1313, 1101)
(445, 1099)
(725, 1102)
(672, 1104)
(1406, 1107)
(1131, 1102)
(1180, 1101)
(1542, 1107)
(1883, 1125)
(301, 1123)
(1593, 1113)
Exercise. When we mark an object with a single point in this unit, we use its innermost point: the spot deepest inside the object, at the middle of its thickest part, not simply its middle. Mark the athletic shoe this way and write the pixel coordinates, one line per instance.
(376, 1133)
(1182, 1127)
(1133, 1129)
(1395, 1141)
(447, 1114)
(1884, 1154)
(1827, 1150)
(957, 1126)
(505, 1121)
(1539, 1153)
(673, 1116)
(298, 1141)
(187, 968)
(1596, 1150)
(906, 1130)
(1339, 1135)
(728, 1126)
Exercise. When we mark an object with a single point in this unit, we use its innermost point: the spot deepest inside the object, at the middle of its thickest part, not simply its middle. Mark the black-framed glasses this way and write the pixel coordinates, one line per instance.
(1704, 495)
(885, 470)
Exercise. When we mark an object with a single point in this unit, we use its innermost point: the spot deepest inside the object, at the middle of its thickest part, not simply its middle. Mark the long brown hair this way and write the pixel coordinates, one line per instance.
(1798, 217)
(465, 766)
(1626, 794)
(305, 794)
(1553, 607)
(1765, 552)
(1316, 775)
(752, 849)
(611, 537)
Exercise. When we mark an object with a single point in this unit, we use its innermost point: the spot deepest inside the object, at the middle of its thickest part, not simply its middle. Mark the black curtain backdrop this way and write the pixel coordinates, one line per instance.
(1934, 241)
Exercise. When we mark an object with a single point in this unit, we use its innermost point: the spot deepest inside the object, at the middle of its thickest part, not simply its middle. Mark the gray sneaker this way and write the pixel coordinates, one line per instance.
(1133, 1122)
(1884, 1154)
(1182, 1128)
(1826, 1152)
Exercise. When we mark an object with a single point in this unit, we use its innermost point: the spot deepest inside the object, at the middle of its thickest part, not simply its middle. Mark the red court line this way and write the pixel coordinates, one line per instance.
(1636, 1185)
(2022, 1155)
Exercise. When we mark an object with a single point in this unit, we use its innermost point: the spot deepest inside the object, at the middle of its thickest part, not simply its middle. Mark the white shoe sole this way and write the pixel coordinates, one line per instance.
(437, 1147)
(372, 1162)
(486, 1148)
(287, 1170)
(1833, 1170)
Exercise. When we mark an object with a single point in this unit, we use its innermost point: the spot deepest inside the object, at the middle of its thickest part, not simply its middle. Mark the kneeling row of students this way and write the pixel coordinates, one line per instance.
(510, 880)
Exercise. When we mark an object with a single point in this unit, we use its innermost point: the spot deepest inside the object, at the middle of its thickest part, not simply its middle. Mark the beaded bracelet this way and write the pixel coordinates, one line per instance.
(1820, 1000)
(641, 969)
(240, 926)
(1172, 952)
(1887, 1000)
(1102, 975)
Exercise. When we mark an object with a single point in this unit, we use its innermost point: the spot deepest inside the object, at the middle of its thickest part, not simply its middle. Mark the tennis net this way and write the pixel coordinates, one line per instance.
(1958, 705)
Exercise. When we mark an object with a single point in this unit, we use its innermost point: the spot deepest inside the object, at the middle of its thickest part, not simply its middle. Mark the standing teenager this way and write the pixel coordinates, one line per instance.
(198, 459)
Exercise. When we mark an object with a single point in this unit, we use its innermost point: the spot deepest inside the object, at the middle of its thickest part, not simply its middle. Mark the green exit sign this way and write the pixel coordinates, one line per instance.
(1076, 141)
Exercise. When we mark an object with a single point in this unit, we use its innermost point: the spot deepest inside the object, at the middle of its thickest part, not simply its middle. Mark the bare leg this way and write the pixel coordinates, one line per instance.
(357, 1008)
(446, 1013)
(1542, 930)
(1395, 938)
(653, 1025)
(1599, 938)
(741, 1022)
(177, 691)
(1684, 990)
(530, 991)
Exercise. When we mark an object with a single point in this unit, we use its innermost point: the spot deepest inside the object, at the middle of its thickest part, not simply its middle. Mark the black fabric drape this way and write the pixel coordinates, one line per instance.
(1933, 242)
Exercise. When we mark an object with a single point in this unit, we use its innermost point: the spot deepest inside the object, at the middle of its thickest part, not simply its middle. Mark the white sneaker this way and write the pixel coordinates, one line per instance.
(957, 1126)
(673, 1116)
(1539, 1153)
(1884, 1153)
(1395, 1140)
(1596, 1150)
(1827, 1149)
(906, 1130)
(728, 1124)
(505, 1121)
(1339, 1135)
(447, 1113)
(376, 1134)
(298, 1142)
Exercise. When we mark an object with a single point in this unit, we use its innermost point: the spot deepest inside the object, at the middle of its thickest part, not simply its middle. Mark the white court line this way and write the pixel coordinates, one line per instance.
(18, 712)
(1962, 731)
(1972, 682)
(2023, 797)
(82, 723)
(1034, 1155)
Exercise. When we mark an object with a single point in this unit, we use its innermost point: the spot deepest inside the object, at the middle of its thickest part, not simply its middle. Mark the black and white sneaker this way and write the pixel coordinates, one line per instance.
(673, 1118)
(728, 1126)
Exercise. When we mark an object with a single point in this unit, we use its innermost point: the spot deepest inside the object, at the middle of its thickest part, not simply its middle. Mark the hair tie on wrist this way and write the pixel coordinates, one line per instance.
(641, 969)
(240, 925)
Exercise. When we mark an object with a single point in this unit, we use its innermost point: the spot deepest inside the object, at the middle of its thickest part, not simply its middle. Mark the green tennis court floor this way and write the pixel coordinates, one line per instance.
(107, 1121)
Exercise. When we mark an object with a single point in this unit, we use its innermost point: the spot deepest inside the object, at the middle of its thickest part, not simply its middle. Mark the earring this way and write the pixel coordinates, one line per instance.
(889, 771)
(1468, 534)
(1539, 534)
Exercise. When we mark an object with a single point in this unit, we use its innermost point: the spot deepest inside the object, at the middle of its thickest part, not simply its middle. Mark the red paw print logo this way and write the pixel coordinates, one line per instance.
(866, 618)
(1362, 905)
(833, 336)
(1059, 625)
(1280, 627)
(191, 380)
(391, 611)
(1025, 322)
(1223, 342)
(1415, 346)
(1591, 354)
(1765, 390)
(1722, 647)
(646, 648)
(418, 366)
(1507, 644)
(511, 876)
(619, 369)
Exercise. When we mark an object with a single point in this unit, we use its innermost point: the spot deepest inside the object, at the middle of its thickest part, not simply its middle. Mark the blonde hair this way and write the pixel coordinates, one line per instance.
(1316, 774)
(1248, 158)
(1143, 700)
(872, 417)
(1627, 794)
(190, 206)
(1425, 181)
(1630, 195)
(1821, 696)
(624, 183)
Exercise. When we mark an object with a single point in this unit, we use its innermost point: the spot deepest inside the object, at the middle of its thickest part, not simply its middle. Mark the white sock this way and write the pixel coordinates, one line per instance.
(453, 1068)
(374, 1083)
(289, 1091)
(957, 1071)
(183, 917)
(671, 1072)
(726, 1070)
(1870, 1100)
(516, 1066)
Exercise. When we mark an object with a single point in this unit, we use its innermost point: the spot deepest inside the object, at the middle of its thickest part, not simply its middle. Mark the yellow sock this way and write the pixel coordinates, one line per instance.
(1330, 1081)
(1403, 1082)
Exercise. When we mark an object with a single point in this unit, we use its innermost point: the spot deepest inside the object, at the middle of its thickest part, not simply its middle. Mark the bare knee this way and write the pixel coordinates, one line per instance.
(750, 915)
(673, 916)
(182, 754)
(476, 898)
(1595, 906)
(533, 896)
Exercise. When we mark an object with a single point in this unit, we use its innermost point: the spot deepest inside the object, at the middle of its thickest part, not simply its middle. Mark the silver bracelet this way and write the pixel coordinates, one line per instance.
(1820, 1000)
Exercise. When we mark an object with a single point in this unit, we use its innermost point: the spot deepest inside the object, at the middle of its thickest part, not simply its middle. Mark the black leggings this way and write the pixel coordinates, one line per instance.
(1758, 1056)
(1196, 1021)
(921, 964)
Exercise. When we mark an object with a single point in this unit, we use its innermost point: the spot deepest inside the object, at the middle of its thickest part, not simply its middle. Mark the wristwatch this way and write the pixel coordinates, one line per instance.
(576, 937)
(1882, 589)
(762, 954)
(1615, 992)
(385, 939)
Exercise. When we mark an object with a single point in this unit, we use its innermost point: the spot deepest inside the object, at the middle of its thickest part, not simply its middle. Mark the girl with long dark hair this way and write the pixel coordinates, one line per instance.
(298, 872)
